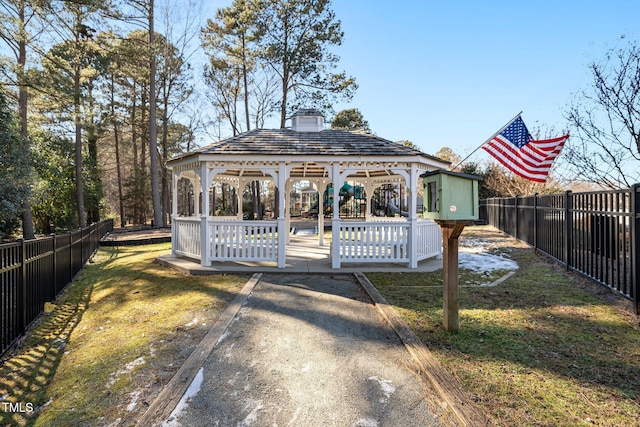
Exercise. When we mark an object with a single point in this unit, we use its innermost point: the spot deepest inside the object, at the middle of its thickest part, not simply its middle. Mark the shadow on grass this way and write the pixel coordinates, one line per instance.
(24, 378)
(117, 277)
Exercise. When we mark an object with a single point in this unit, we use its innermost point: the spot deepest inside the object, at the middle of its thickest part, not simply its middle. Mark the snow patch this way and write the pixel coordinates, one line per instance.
(192, 323)
(194, 388)
(253, 415)
(127, 368)
(472, 255)
(134, 400)
(484, 263)
(366, 422)
(387, 388)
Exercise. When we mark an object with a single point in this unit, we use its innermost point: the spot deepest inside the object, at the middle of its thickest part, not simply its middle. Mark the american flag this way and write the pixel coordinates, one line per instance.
(514, 148)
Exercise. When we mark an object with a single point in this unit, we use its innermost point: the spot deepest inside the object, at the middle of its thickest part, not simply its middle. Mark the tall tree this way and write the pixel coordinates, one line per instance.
(243, 87)
(230, 41)
(446, 153)
(176, 87)
(16, 16)
(132, 74)
(296, 37)
(71, 67)
(154, 163)
(605, 121)
(143, 14)
(53, 196)
(351, 119)
(14, 169)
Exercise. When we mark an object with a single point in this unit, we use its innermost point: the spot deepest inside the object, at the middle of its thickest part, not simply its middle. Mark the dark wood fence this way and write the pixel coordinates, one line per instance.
(594, 233)
(33, 272)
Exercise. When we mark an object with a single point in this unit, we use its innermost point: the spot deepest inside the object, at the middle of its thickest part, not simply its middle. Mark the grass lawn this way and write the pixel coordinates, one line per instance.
(542, 348)
(115, 337)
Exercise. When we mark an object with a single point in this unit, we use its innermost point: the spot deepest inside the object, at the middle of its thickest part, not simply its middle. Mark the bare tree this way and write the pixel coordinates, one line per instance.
(605, 121)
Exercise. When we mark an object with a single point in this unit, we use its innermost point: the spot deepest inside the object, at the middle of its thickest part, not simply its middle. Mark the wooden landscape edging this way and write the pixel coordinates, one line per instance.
(172, 392)
(447, 387)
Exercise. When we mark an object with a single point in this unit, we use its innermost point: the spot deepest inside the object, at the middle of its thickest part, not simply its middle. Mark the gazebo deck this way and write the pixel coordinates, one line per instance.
(303, 255)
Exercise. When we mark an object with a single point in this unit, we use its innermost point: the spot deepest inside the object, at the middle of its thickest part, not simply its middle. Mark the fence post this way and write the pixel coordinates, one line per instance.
(22, 289)
(81, 247)
(635, 245)
(55, 263)
(517, 215)
(70, 256)
(568, 228)
(535, 222)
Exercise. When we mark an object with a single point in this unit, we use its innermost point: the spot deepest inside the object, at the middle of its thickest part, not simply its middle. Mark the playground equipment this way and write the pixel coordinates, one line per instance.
(354, 202)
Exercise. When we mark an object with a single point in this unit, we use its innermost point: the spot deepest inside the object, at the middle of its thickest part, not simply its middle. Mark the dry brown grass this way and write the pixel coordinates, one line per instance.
(543, 348)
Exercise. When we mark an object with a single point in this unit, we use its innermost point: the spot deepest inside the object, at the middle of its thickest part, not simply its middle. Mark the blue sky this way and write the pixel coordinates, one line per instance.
(452, 73)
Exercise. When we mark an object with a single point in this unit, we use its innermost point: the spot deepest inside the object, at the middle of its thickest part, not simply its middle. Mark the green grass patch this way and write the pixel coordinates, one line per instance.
(116, 336)
(543, 348)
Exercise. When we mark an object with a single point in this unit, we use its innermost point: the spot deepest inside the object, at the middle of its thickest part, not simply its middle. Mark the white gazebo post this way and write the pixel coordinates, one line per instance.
(335, 220)
(368, 191)
(287, 207)
(413, 217)
(237, 185)
(320, 185)
(174, 210)
(242, 182)
(204, 217)
(283, 232)
(197, 188)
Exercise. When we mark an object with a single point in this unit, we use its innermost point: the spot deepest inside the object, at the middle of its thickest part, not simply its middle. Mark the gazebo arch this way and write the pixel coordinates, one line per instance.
(321, 156)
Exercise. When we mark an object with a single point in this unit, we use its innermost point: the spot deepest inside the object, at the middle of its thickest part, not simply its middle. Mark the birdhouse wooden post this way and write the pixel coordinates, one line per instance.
(451, 199)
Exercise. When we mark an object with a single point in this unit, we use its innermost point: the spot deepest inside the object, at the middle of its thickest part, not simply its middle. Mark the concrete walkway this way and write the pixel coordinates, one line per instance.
(307, 351)
(310, 350)
(303, 255)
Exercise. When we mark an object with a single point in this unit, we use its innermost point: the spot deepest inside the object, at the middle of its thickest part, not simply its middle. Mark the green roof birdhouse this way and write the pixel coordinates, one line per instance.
(450, 196)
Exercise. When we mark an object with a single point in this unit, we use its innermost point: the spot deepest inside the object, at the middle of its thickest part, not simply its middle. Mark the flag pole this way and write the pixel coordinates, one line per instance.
(489, 139)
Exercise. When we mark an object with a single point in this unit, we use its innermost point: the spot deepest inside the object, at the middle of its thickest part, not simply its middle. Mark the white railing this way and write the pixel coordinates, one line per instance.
(387, 219)
(374, 241)
(186, 238)
(242, 240)
(429, 238)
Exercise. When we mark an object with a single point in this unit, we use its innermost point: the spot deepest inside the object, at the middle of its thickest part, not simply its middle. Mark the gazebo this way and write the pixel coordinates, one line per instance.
(326, 158)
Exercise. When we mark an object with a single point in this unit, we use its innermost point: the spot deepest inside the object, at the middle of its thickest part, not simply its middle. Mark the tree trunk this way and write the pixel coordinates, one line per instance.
(246, 83)
(123, 222)
(136, 162)
(153, 142)
(82, 215)
(283, 104)
(165, 156)
(27, 217)
(116, 137)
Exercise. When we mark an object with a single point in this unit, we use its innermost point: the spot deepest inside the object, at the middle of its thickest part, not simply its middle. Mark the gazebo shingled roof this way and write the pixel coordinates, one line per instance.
(289, 142)
(307, 147)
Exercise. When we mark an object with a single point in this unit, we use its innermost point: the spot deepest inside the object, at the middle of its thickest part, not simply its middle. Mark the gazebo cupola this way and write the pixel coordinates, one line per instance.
(307, 120)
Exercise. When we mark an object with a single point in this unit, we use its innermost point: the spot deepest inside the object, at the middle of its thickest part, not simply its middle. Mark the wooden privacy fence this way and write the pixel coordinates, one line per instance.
(33, 272)
(595, 233)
